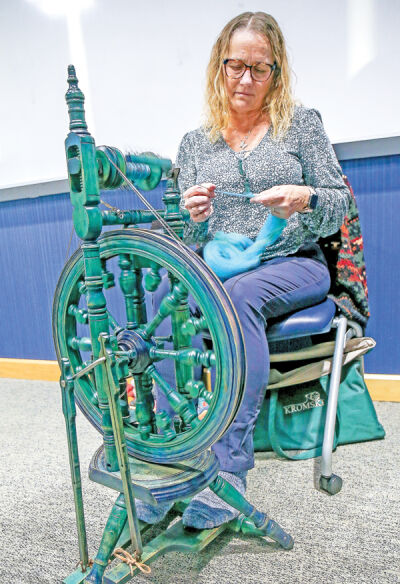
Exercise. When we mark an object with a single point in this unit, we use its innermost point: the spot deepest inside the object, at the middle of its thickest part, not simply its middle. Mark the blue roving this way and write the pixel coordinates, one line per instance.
(229, 254)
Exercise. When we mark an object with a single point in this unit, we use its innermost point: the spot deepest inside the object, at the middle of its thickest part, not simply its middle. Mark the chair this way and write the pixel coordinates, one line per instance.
(318, 320)
(344, 253)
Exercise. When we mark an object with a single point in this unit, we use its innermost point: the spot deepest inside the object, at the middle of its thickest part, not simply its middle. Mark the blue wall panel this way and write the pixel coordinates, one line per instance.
(376, 184)
(34, 236)
(34, 241)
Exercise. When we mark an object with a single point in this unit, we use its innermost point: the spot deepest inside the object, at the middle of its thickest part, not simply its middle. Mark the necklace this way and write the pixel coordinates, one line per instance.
(243, 144)
(243, 153)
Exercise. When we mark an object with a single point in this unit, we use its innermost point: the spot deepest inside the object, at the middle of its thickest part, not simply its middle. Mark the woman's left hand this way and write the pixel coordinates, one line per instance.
(284, 200)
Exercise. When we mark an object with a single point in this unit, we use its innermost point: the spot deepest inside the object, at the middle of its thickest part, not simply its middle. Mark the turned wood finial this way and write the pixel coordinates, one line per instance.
(75, 101)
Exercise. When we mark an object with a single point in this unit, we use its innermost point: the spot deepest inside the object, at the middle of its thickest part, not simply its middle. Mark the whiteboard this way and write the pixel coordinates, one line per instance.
(141, 66)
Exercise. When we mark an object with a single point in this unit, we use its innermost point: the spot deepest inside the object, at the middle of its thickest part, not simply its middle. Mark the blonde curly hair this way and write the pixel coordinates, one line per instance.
(279, 102)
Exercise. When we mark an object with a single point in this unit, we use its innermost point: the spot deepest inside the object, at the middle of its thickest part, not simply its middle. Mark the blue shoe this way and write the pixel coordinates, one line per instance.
(206, 510)
(152, 513)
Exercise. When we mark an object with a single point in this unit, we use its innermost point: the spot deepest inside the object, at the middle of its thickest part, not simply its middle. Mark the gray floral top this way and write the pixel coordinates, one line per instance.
(304, 157)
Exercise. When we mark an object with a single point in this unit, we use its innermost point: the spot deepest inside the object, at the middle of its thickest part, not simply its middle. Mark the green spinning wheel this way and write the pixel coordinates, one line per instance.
(133, 303)
(138, 256)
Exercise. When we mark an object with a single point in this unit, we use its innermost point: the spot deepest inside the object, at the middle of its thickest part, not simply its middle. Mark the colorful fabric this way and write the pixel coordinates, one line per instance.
(344, 252)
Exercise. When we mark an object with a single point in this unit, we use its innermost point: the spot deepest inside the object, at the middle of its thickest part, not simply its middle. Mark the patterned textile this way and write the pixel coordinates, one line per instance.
(345, 256)
(304, 156)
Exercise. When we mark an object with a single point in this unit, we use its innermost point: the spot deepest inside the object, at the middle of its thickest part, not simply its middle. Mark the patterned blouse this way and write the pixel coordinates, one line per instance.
(304, 157)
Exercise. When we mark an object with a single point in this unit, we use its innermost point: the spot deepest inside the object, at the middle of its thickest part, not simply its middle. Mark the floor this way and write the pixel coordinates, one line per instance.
(352, 537)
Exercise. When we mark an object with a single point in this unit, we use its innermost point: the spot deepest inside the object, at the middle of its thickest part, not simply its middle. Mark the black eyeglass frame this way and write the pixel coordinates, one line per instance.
(272, 67)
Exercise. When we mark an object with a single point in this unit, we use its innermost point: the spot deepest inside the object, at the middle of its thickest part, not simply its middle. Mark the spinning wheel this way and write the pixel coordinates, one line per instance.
(134, 252)
(106, 332)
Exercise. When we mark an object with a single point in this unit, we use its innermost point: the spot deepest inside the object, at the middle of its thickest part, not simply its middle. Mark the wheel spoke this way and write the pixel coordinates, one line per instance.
(152, 279)
(182, 341)
(197, 389)
(107, 277)
(168, 305)
(80, 314)
(180, 404)
(80, 343)
(190, 356)
(162, 340)
(130, 282)
(165, 425)
(113, 323)
(144, 405)
(193, 326)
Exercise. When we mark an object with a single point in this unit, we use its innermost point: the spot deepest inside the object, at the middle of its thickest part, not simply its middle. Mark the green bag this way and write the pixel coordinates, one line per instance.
(293, 418)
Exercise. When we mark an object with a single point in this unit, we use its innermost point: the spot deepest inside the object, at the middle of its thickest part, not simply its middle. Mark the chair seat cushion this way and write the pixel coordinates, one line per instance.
(309, 321)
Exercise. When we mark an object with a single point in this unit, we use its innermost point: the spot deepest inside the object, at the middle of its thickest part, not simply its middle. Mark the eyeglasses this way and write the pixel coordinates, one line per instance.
(235, 69)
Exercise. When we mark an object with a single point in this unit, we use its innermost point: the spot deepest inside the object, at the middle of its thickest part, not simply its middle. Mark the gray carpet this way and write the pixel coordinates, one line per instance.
(352, 537)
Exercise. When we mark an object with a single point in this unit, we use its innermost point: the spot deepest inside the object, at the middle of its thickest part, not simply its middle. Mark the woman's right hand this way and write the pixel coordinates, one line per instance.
(198, 201)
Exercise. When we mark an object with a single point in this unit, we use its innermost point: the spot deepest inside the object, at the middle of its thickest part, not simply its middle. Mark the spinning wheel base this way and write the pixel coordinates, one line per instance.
(174, 538)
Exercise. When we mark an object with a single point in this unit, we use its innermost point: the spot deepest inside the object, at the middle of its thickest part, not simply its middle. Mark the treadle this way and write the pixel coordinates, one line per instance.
(154, 483)
(76, 577)
(175, 538)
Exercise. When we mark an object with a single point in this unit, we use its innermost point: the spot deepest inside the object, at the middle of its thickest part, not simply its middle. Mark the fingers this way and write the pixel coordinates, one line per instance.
(267, 199)
(198, 201)
(210, 187)
(205, 189)
(199, 216)
(278, 199)
(199, 207)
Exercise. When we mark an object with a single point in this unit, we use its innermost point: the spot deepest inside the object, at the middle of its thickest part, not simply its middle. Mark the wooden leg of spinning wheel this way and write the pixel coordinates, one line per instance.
(264, 525)
(112, 531)
(69, 411)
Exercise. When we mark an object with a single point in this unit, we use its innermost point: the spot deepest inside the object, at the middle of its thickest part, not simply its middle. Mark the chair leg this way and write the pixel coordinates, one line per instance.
(328, 481)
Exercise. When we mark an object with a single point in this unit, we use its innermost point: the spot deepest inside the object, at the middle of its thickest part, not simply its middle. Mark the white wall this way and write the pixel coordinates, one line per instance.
(142, 68)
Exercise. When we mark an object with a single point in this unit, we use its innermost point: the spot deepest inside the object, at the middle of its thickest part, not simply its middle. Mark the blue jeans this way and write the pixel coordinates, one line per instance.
(277, 287)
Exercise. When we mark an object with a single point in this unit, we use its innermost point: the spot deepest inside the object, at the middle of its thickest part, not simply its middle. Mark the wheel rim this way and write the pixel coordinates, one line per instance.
(189, 272)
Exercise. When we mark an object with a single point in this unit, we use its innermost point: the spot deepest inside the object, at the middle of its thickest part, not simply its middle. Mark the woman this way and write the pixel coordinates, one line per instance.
(256, 140)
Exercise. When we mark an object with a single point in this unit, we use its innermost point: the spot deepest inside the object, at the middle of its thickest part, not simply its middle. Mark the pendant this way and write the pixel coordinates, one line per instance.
(247, 190)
